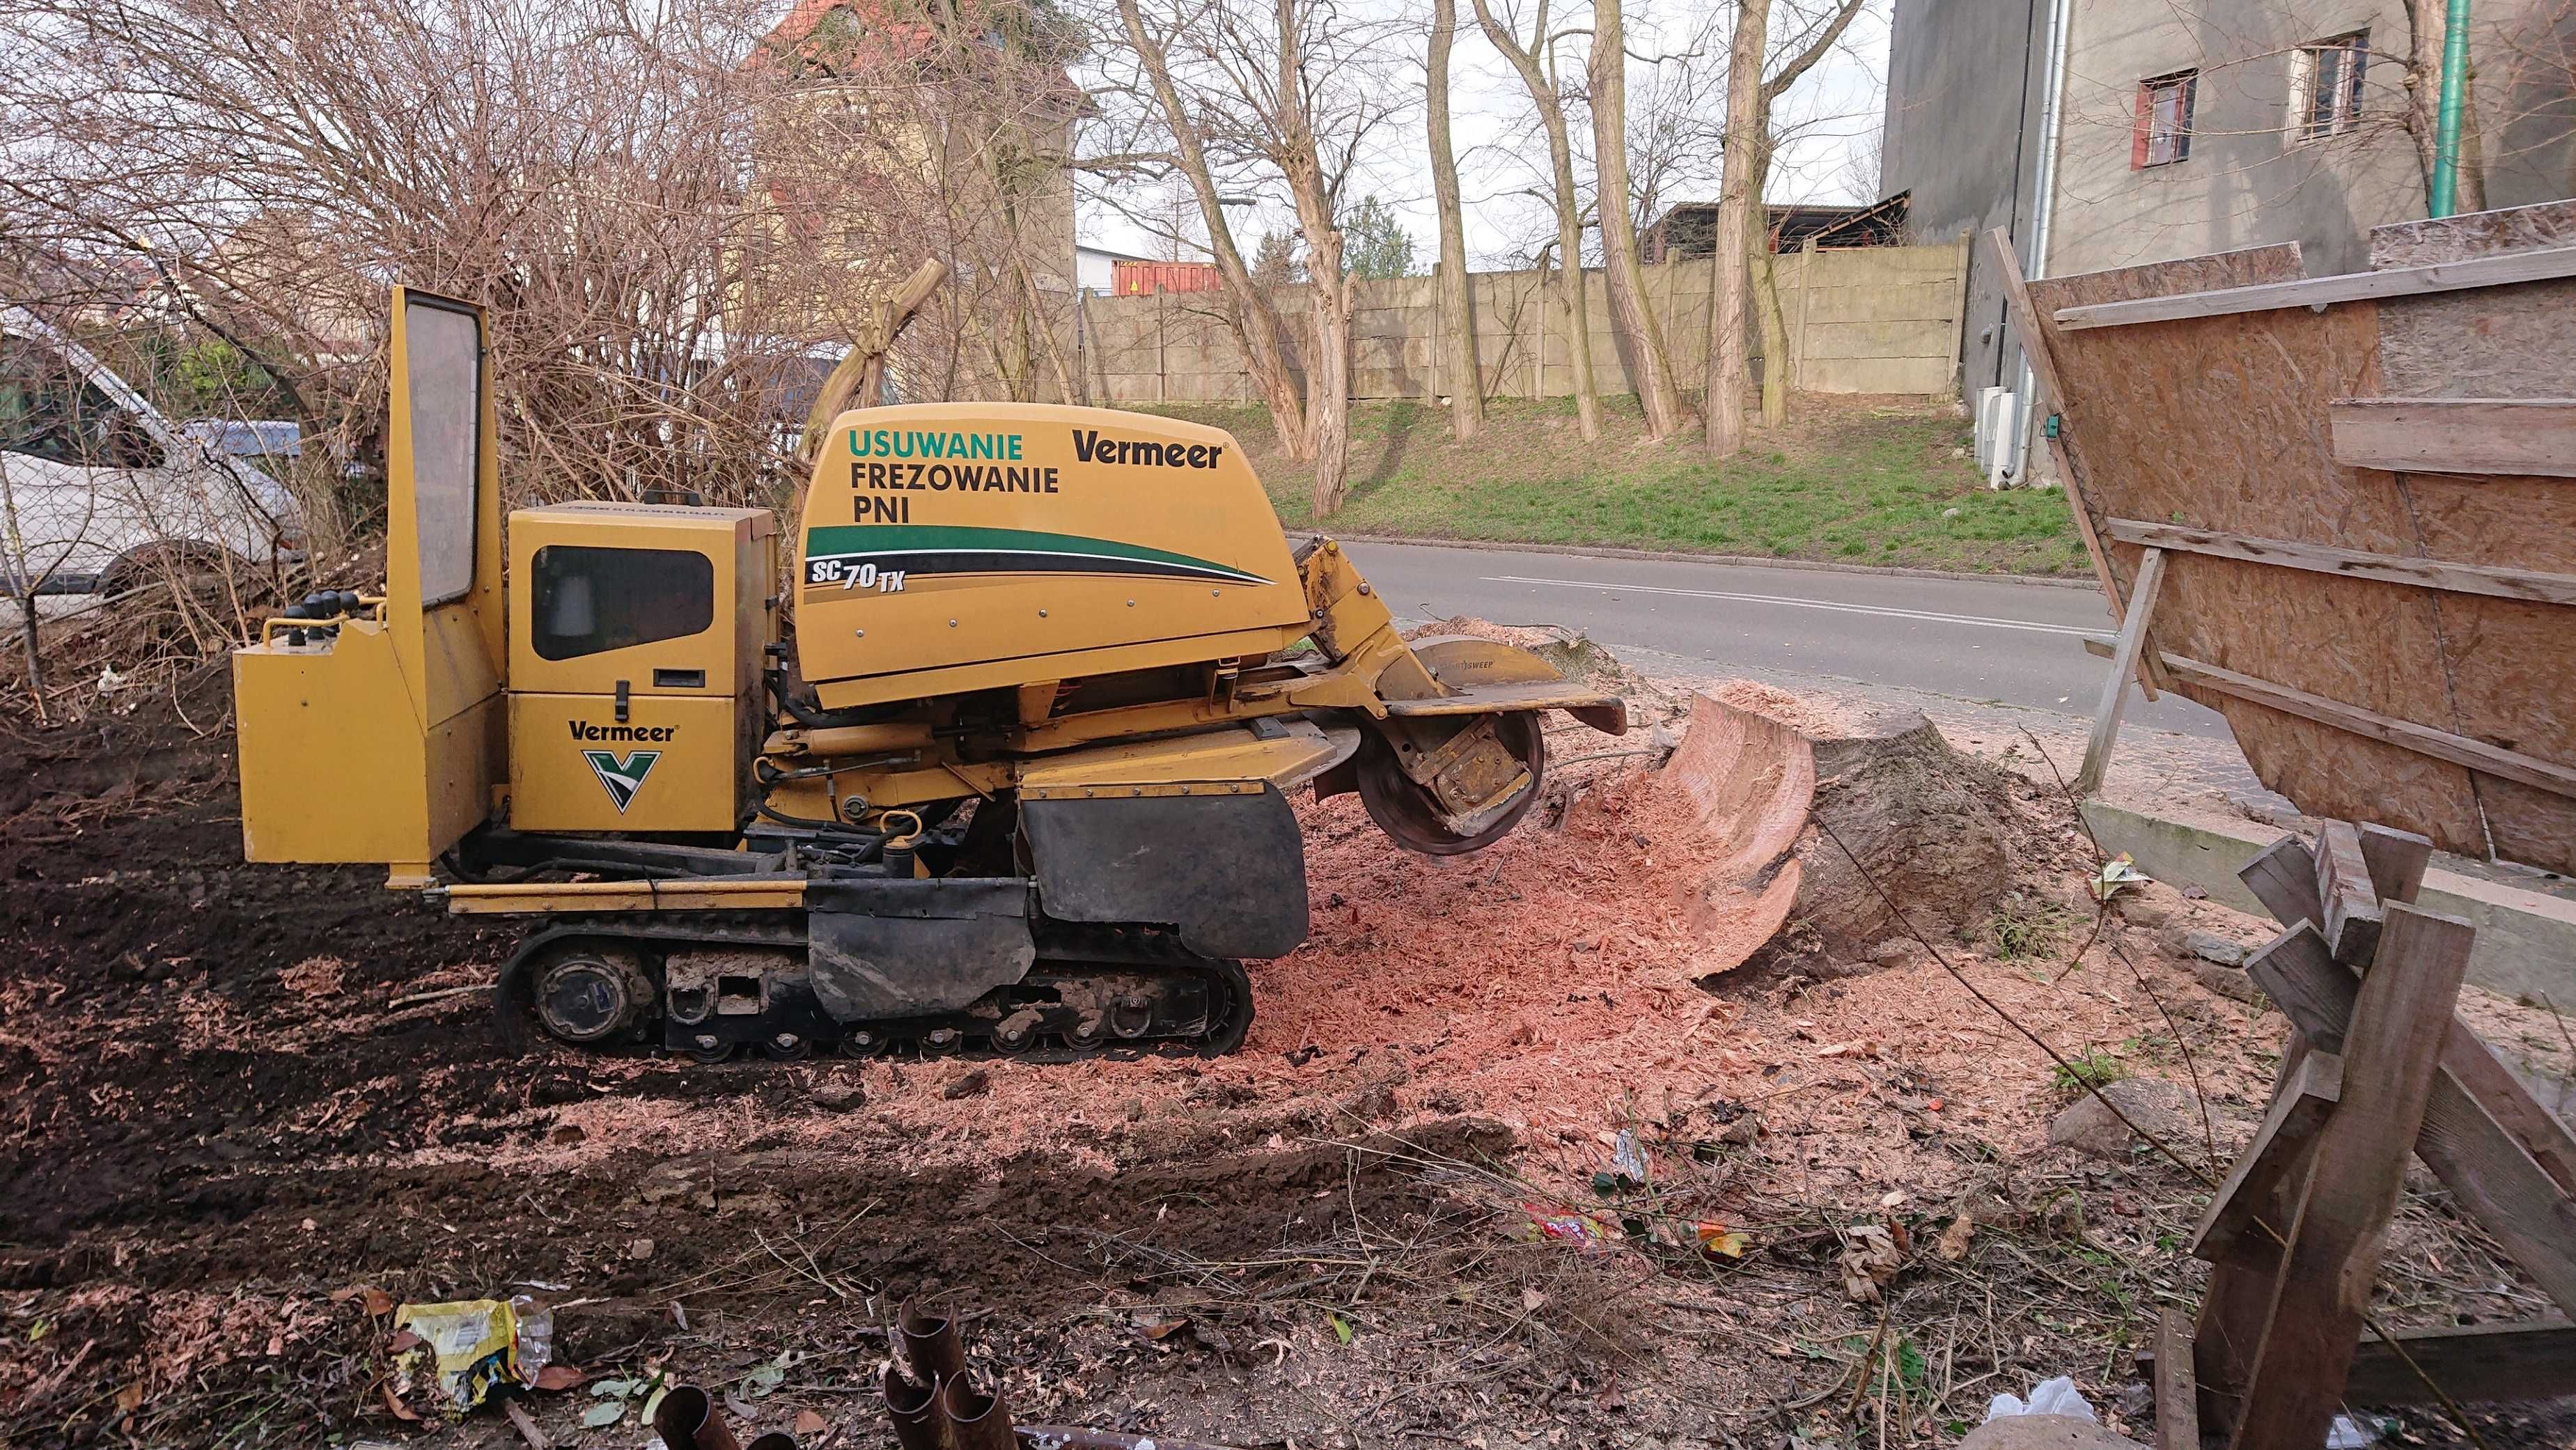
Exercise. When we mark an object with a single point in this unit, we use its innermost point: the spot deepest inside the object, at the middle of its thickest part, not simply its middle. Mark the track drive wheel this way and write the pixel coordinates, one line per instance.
(1407, 811)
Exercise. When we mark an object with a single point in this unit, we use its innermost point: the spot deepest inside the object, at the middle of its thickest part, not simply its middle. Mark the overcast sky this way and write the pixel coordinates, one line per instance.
(1831, 120)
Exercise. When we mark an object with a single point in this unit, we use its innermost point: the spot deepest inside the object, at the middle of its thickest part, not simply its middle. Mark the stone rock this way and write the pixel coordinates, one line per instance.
(2044, 1432)
(2209, 946)
(967, 1085)
(2226, 981)
(839, 1097)
(2088, 1126)
(1894, 949)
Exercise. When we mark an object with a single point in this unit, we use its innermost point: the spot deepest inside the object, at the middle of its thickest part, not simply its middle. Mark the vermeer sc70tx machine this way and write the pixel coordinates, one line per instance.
(1012, 775)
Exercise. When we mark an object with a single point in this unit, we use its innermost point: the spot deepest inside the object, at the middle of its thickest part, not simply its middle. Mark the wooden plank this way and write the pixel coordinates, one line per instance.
(2043, 367)
(2124, 664)
(2392, 1053)
(2310, 987)
(2278, 1155)
(2518, 436)
(2527, 584)
(2499, 271)
(2177, 1400)
(2423, 740)
(2283, 876)
(2496, 1181)
(2397, 861)
(2507, 1101)
(2352, 921)
(2474, 1364)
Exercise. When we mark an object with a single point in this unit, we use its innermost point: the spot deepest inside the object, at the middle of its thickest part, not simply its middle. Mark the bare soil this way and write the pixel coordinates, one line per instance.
(229, 1105)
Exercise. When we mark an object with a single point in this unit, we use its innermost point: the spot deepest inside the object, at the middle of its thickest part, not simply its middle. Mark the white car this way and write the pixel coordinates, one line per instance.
(99, 493)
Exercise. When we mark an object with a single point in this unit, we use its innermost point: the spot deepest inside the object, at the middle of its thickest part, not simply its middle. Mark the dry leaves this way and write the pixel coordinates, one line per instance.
(1953, 1243)
(1870, 1258)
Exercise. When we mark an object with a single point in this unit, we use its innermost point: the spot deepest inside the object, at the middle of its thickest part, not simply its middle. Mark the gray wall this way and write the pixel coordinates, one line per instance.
(1965, 105)
(1963, 119)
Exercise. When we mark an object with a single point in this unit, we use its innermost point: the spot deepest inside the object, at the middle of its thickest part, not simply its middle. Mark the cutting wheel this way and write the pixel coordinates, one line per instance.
(1407, 811)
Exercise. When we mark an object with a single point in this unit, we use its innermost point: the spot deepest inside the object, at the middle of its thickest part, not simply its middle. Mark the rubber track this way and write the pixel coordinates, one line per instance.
(1065, 951)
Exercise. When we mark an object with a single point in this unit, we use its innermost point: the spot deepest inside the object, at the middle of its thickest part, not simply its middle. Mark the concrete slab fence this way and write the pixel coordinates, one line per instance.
(1866, 320)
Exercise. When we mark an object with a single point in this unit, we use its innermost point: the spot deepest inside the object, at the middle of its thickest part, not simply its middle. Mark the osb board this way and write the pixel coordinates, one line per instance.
(2512, 669)
(2220, 423)
(2473, 234)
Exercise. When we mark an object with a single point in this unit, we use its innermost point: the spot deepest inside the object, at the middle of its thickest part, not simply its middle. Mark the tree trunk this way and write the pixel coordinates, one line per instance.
(1736, 199)
(1569, 219)
(1328, 376)
(1630, 312)
(1457, 319)
(1254, 320)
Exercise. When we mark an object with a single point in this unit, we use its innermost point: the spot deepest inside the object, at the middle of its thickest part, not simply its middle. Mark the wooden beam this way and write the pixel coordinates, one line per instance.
(2043, 368)
(2474, 1364)
(2124, 664)
(2397, 861)
(2352, 920)
(2513, 436)
(2422, 739)
(2530, 585)
(2283, 876)
(2496, 1181)
(2507, 1101)
(2496, 271)
(2392, 1056)
(2177, 1399)
(2277, 1156)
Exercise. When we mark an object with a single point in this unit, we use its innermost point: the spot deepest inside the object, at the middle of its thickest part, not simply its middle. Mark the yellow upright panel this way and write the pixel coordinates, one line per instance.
(378, 738)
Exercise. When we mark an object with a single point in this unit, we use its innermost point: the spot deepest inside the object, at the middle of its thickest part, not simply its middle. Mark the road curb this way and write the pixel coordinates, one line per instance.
(2526, 939)
(1683, 556)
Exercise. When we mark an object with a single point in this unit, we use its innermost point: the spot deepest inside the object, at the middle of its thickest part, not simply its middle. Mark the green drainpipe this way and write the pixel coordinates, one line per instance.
(2446, 126)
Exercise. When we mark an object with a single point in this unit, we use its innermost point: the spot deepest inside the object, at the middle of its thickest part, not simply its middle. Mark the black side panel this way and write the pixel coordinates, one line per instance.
(1229, 871)
(879, 947)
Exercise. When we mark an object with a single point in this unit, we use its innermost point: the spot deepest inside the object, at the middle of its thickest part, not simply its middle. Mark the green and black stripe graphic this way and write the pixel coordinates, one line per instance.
(835, 554)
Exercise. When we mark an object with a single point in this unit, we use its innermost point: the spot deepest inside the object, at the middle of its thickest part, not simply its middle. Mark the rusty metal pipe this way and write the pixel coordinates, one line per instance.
(913, 1409)
(1068, 1437)
(687, 1419)
(930, 1343)
(976, 1417)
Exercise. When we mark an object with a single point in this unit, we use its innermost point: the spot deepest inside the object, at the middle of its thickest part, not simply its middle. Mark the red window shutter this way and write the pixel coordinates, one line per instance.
(2146, 122)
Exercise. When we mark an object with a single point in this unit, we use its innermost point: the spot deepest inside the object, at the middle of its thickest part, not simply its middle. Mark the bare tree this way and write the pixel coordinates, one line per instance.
(1738, 199)
(1457, 319)
(1250, 312)
(1648, 360)
(1534, 62)
(1821, 33)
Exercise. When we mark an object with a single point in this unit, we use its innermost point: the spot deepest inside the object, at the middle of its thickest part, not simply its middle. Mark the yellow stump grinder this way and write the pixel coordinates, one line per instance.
(1016, 780)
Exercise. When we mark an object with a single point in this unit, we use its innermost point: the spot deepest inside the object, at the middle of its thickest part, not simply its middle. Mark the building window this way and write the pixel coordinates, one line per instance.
(2325, 86)
(2164, 119)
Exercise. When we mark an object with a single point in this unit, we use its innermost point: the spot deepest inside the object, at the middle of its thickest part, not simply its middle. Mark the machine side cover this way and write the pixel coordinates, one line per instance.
(1229, 871)
(880, 947)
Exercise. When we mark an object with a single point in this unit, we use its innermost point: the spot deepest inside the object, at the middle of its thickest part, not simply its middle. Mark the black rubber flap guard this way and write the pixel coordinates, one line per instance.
(880, 947)
(1228, 871)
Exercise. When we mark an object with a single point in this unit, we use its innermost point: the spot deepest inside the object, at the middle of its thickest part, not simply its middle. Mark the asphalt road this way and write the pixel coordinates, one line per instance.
(1992, 641)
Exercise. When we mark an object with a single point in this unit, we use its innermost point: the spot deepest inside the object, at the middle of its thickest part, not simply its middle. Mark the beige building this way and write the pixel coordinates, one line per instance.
(2105, 133)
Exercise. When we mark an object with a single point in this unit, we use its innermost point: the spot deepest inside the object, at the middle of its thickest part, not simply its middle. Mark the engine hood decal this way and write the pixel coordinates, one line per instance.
(836, 553)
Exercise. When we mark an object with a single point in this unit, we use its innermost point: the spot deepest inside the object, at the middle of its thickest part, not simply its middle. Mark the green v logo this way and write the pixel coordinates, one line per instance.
(623, 778)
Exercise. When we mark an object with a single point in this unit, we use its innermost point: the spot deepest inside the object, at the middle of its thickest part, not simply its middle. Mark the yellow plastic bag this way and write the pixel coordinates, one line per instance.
(473, 1344)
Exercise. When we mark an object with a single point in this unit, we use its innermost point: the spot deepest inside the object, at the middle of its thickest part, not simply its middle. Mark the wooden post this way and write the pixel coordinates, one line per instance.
(2177, 1402)
(2322, 1293)
(2124, 665)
